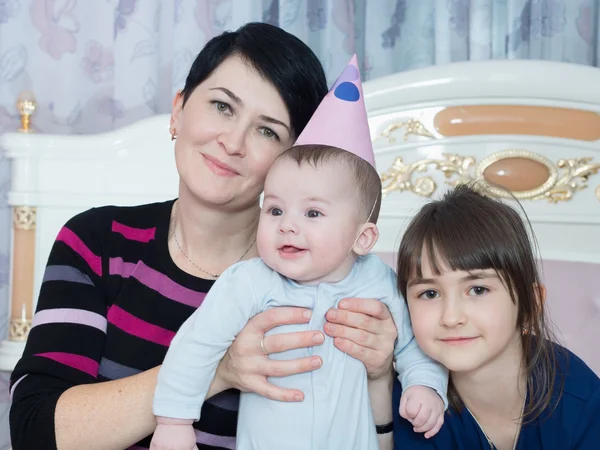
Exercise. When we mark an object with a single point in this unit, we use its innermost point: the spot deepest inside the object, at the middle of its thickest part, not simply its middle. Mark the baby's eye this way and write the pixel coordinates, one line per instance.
(478, 290)
(313, 214)
(429, 294)
(275, 212)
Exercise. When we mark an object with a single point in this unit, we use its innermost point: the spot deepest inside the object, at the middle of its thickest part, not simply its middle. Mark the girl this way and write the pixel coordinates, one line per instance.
(468, 273)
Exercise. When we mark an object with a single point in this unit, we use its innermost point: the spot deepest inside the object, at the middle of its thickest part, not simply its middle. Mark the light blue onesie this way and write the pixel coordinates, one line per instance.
(336, 412)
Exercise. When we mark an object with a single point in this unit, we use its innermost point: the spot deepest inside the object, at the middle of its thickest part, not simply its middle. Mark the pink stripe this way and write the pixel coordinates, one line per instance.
(70, 315)
(134, 234)
(78, 362)
(137, 447)
(12, 389)
(73, 241)
(157, 281)
(138, 327)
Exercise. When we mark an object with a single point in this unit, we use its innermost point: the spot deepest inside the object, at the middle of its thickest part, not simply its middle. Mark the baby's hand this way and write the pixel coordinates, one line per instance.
(173, 437)
(424, 408)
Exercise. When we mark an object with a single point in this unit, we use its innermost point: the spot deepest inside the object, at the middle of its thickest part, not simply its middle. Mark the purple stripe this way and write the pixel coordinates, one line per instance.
(115, 371)
(70, 315)
(157, 281)
(214, 440)
(66, 273)
(116, 266)
(12, 389)
(229, 400)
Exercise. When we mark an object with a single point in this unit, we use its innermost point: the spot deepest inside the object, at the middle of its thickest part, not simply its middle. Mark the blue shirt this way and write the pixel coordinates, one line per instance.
(336, 412)
(573, 425)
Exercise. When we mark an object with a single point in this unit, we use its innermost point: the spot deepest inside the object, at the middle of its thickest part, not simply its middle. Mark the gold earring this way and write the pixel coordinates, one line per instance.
(173, 134)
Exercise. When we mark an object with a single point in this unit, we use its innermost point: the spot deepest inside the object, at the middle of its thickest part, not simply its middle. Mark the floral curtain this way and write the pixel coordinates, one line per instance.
(98, 65)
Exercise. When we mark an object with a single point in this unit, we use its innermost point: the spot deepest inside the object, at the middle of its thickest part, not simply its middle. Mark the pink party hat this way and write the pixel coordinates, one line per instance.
(341, 118)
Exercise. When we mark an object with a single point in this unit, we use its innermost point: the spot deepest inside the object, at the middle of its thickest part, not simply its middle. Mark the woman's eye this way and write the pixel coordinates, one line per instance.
(429, 294)
(478, 290)
(313, 214)
(221, 106)
(275, 212)
(268, 133)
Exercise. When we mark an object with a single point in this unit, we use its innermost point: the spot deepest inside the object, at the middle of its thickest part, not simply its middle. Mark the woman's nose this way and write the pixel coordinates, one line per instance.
(233, 140)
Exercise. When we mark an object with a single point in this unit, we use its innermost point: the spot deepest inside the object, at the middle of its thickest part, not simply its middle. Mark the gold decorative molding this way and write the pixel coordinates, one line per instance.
(573, 177)
(19, 329)
(24, 217)
(565, 177)
(399, 177)
(410, 126)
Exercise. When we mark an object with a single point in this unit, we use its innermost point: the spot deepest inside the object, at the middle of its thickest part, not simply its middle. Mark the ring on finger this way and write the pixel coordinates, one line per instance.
(262, 346)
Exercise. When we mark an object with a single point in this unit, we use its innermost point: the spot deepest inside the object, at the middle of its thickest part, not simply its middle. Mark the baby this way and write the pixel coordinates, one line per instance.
(315, 232)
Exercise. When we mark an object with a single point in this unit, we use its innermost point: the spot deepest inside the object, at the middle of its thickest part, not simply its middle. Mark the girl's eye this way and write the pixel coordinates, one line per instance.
(268, 133)
(313, 214)
(275, 212)
(429, 294)
(478, 290)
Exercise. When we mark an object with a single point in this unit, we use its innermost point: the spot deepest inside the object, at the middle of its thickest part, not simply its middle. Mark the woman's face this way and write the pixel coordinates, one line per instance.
(230, 131)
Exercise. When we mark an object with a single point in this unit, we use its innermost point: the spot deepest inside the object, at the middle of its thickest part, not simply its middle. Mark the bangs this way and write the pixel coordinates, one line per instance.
(454, 244)
(465, 233)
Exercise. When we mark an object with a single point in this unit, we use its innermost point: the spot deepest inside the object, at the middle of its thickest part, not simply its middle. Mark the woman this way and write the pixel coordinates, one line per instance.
(468, 273)
(120, 281)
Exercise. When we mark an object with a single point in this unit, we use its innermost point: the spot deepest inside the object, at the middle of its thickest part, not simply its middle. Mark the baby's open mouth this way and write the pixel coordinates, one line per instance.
(290, 249)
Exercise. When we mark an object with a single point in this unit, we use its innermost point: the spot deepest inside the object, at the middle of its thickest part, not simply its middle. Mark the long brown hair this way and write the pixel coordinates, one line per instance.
(467, 230)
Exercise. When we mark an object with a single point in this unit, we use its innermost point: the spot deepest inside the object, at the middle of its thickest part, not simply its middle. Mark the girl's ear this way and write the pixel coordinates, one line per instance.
(366, 239)
(540, 299)
(540, 291)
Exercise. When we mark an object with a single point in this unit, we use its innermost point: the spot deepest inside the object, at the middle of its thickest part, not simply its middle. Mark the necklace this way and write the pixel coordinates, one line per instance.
(212, 275)
(516, 438)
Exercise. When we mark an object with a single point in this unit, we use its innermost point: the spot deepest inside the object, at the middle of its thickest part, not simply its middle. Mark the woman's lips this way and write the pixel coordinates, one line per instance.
(219, 167)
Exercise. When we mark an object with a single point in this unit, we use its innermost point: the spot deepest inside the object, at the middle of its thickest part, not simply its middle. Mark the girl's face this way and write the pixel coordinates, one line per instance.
(465, 320)
(230, 131)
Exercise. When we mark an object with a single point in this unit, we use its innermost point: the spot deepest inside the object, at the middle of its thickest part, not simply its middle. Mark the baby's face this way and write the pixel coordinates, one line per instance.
(309, 221)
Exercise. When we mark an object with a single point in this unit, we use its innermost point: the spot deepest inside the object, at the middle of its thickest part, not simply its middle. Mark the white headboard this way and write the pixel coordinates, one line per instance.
(532, 123)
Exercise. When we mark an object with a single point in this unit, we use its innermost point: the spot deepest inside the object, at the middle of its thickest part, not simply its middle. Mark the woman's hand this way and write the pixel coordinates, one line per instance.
(246, 367)
(364, 329)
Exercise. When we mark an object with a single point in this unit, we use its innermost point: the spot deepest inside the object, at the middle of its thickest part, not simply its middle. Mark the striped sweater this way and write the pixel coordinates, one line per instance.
(110, 303)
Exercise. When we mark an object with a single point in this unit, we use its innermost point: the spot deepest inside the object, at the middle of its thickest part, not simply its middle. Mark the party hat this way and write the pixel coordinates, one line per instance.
(341, 118)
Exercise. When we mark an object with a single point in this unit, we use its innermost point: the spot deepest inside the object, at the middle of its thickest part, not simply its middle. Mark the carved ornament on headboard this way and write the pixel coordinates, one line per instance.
(409, 127)
(526, 174)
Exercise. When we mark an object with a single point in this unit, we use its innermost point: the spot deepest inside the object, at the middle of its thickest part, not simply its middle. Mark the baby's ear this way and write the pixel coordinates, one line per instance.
(366, 239)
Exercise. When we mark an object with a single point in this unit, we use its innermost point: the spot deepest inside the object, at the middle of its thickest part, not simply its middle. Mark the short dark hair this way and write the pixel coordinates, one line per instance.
(468, 230)
(368, 183)
(278, 56)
